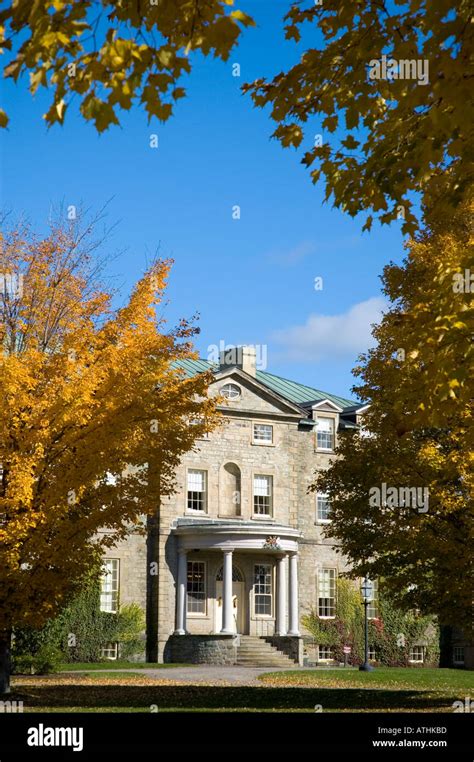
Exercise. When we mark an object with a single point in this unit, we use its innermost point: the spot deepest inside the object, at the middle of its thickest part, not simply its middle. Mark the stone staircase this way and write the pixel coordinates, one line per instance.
(257, 652)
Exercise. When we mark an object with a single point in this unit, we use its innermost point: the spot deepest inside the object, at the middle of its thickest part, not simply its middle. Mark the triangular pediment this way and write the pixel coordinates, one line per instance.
(254, 396)
(327, 406)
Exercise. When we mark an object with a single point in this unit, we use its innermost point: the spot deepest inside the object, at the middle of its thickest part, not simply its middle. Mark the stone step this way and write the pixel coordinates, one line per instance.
(251, 647)
(265, 662)
(257, 652)
(259, 657)
(263, 659)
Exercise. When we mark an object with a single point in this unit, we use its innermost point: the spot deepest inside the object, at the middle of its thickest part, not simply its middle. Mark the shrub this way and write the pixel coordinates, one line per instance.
(80, 631)
(46, 660)
(23, 664)
(347, 628)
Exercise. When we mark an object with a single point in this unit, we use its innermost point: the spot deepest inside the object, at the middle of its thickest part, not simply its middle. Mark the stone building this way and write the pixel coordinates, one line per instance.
(237, 555)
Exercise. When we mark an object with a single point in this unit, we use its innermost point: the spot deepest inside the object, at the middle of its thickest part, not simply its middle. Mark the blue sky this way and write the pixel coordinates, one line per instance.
(252, 280)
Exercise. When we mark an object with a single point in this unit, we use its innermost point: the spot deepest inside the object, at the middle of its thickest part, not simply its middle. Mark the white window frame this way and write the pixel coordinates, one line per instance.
(110, 585)
(236, 387)
(460, 656)
(269, 594)
(265, 442)
(327, 576)
(414, 660)
(270, 495)
(327, 649)
(322, 496)
(110, 651)
(196, 614)
(199, 511)
(332, 420)
(372, 653)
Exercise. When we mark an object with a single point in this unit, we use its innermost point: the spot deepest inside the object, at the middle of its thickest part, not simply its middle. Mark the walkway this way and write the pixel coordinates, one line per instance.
(200, 673)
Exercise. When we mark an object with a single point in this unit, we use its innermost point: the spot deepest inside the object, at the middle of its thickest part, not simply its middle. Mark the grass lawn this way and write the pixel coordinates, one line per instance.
(391, 678)
(385, 690)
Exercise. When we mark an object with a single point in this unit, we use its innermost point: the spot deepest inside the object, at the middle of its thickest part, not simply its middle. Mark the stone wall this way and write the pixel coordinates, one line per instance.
(290, 645)
(132, 554)
(202, 649)
(292, 460)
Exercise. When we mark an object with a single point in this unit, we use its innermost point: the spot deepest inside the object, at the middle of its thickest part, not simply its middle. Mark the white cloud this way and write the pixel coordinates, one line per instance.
(330, 336)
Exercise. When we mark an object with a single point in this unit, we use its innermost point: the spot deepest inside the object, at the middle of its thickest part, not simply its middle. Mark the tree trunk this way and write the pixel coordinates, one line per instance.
(5, 661)
(445, 646)
(153, 539)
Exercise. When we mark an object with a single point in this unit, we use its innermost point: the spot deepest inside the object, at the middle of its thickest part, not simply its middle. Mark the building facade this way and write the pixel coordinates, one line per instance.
(238, 552)
(239, 549)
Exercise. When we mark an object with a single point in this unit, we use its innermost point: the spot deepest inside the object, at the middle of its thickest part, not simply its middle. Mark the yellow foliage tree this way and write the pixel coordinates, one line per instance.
(109, 55)
(418, 382)
(380, 102)
(93, 407)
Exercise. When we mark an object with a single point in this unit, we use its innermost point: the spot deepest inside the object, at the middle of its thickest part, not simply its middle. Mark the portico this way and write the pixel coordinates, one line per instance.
(236, 577)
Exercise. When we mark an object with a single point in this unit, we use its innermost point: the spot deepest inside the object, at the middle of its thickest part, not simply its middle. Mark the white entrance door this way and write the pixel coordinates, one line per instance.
(237, 606)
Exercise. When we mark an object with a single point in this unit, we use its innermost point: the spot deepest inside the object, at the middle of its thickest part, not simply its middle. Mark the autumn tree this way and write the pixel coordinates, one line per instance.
(110, 55)
(382, 107)
(93, 405)
(417, 434)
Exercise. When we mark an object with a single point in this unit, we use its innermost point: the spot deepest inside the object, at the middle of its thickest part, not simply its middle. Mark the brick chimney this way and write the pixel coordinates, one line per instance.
(239, 357)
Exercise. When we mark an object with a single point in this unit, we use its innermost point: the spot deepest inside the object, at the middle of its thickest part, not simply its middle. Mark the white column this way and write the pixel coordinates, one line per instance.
(181, 593)
(227, 614)
(282, 595)
(294, 617)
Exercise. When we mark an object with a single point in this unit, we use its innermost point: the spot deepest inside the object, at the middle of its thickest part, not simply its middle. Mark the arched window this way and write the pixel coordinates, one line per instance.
(236, 575)
(230, 498)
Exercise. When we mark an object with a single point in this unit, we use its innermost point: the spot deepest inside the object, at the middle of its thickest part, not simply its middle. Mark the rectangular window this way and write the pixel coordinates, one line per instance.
(373, 607)
(109, 585)
(327, 592)
(110, 651)
(325, 653)
(263, 589)
(196, 587)
(458, 655)
(372, 654)
(325, 433)
(197, 490)
(417, 654)
(323, 507)
(263, 432)
(262, 494)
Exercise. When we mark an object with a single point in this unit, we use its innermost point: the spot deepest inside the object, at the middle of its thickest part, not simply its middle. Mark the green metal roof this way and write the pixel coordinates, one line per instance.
(290, 390)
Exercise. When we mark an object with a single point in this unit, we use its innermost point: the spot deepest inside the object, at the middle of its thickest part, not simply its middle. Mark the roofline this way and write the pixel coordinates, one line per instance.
(357, 408)
(328, 402)
(223, 373)
(303, 406)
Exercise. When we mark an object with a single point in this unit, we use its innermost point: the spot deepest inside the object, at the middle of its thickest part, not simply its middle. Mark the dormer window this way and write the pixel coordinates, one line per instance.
(325, 433)
(231, 391)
